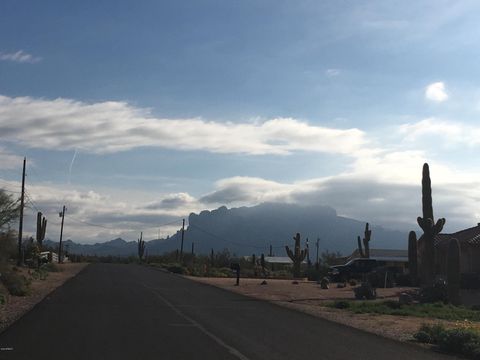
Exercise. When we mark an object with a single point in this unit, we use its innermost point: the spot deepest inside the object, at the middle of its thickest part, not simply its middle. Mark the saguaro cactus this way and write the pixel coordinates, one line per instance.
(141, 246)
(412, 258)
(366, 243)
(41, 229)
(297, 256)
(453, 272)
(430, 230)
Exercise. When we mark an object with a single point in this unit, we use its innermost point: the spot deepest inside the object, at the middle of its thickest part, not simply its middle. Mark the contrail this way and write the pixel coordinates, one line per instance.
(71, 166)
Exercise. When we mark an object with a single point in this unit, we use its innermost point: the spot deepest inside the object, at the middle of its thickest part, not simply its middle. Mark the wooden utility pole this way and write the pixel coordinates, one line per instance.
(317, 264)
(62, 215)
(20, 223)
(193, 248)
(181, 246)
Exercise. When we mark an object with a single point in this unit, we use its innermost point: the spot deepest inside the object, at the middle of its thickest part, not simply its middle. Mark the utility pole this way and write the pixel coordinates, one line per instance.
(308, 255)
(20, 225)
(183, 232)
(271, 252)
(317, 264)
(62, 215)
(193, 248)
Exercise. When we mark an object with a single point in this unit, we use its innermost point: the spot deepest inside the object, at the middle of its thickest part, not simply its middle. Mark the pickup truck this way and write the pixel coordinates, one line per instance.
(353, 269)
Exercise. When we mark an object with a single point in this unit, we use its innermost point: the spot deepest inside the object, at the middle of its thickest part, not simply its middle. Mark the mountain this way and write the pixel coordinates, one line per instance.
(117, 247)
(248, 230)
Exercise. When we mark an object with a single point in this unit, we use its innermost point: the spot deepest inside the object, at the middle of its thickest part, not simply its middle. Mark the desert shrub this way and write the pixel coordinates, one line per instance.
(16, 284)
(220, 272)
(461, 340)
(341, 304)
(177, 269)
(51, 267)
(429, 334)
(39, 274)
(365, 291)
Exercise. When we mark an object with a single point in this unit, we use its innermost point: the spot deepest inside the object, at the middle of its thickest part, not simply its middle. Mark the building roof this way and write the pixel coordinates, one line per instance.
(470, 236)
(382, 253)
(279, 260)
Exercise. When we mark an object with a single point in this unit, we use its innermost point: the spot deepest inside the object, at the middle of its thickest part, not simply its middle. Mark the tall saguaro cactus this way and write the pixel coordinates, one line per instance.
(41, 229)
(453, 272)
(430, 230)
(412, 258)
(141, 246)
(366, 243)
(297, 256)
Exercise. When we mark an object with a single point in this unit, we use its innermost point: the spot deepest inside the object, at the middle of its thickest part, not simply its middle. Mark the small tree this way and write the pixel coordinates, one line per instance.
(9, 209)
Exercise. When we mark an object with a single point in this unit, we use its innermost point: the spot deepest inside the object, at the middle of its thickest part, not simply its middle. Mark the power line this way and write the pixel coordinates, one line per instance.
(88, 223)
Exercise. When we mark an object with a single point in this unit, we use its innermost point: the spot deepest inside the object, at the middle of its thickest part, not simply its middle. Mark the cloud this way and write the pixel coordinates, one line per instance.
(116, 126)
(436, 92)
(172, 201)
(332, 72)
(20, 57)
(450, 132)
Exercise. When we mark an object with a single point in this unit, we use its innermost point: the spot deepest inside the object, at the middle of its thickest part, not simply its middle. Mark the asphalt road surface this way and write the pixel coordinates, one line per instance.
(133, 312)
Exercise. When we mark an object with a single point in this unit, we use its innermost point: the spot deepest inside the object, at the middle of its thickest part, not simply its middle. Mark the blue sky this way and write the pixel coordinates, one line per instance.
(166, 105)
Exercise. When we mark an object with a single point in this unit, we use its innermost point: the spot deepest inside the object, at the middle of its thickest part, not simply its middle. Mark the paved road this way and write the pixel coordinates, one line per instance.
(133, 312)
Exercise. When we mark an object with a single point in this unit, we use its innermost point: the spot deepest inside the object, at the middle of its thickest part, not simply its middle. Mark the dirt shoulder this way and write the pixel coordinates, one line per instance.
(17, 306)
(307, 296)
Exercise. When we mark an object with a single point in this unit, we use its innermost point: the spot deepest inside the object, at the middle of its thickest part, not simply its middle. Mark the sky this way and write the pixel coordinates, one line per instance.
(135, 114)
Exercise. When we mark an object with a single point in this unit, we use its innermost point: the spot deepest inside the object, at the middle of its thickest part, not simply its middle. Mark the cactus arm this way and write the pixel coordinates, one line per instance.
(290, 253)
(427, 207)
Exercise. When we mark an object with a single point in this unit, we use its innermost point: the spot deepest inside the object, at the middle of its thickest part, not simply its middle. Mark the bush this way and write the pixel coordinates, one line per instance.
(220, 272)
(462, 340)
(365, 291)
(177, 269)
(352, 282)
(39, 274)
(341, 304)
(17, 285)
(430, 334)
(3, 299)
(51, 267)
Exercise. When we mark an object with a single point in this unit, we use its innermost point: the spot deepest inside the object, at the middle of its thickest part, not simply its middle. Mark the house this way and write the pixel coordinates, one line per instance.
(391, 257)
(469, 241)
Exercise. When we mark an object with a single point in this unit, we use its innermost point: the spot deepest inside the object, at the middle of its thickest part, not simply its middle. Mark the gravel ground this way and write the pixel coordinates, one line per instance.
(17, 306)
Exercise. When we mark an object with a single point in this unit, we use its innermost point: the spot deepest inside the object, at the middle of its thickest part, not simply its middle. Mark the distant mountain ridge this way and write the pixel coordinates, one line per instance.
(247, 230)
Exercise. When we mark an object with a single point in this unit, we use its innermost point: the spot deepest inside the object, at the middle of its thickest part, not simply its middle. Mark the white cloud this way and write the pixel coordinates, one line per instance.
(332, 72)
(449, 132)
(116, 126)
(19, 56)
(436, 92)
